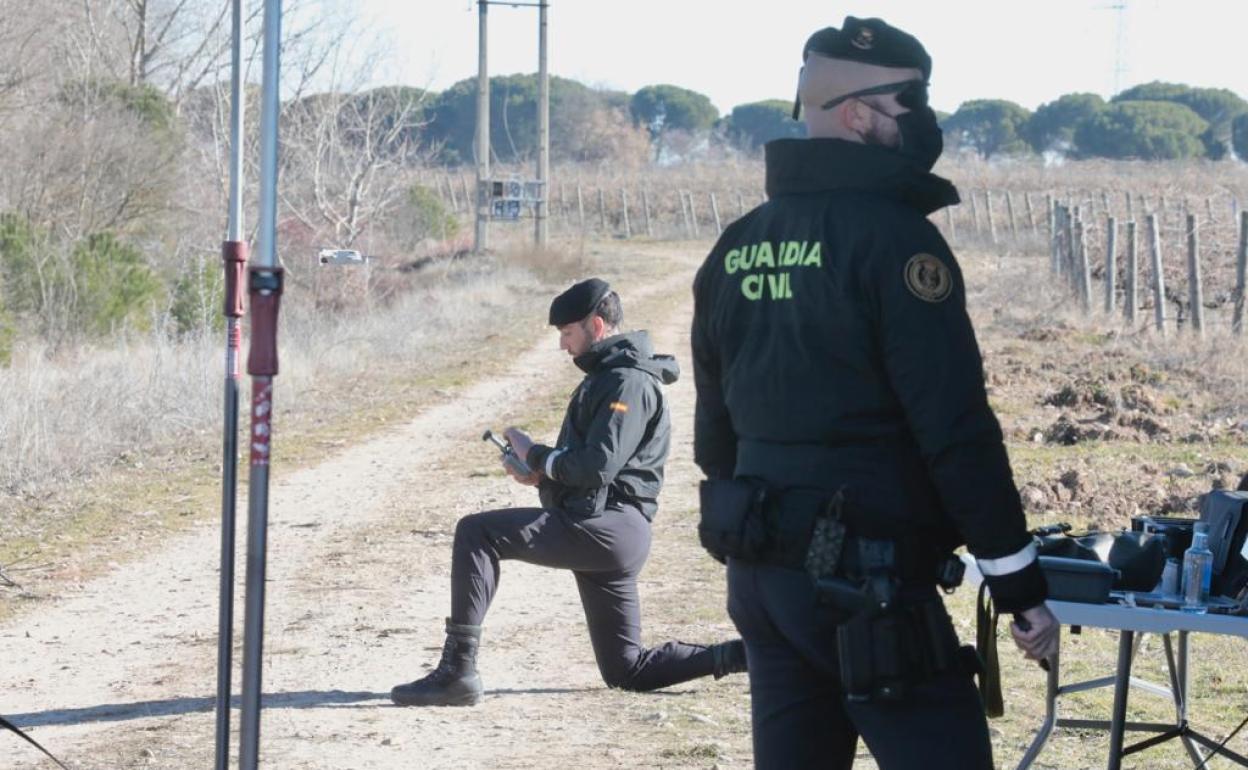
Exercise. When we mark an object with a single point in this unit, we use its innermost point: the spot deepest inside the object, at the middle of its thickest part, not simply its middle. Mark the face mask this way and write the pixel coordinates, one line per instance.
(922, 140)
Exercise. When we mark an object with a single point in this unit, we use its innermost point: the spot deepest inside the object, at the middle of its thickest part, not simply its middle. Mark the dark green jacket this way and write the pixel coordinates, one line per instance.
(616, 432)
(831, 347)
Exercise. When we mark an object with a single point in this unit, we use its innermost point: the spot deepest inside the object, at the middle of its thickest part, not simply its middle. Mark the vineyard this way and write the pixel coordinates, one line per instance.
(1103, 223)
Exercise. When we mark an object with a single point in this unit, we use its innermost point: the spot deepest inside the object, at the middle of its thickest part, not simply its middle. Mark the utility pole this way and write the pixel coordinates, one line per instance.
(543, 129)
(484, 193)
(482, 240)
(1120, 9)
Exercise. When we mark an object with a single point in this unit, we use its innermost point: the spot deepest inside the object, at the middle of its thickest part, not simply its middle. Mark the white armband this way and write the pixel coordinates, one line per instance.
(550, 462)
(1007, 565)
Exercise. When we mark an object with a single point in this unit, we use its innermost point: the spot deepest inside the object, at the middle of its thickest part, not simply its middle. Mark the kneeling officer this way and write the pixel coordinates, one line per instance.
(599, 488)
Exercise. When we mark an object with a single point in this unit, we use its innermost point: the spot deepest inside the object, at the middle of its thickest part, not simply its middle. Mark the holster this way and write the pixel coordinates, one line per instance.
(883, 656)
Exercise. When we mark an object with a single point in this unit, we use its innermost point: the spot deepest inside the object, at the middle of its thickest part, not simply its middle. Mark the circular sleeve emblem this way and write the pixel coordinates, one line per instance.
(928, 278)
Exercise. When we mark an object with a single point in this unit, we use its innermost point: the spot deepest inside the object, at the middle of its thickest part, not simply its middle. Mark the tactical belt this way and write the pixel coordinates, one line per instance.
(805, 529)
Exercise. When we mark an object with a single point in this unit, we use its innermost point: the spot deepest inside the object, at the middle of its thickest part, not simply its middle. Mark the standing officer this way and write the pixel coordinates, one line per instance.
(845, 432)
(599, 489)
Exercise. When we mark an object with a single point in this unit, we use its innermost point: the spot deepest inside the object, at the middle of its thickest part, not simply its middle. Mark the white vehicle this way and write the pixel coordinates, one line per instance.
(342, 257)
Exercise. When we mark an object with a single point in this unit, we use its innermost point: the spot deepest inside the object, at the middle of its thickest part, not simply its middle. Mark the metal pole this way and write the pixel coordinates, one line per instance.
(265, 290)
(234, 257)
(482, 240)
(543, 126)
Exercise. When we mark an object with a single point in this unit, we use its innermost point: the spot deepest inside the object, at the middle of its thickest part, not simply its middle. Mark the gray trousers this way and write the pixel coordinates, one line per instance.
(606, 553)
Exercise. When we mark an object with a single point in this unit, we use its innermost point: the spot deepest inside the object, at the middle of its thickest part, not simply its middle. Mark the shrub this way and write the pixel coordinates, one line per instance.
(115, 286)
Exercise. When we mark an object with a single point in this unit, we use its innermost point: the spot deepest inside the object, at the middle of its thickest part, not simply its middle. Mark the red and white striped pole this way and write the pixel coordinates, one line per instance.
(265, 290)
(234, 256)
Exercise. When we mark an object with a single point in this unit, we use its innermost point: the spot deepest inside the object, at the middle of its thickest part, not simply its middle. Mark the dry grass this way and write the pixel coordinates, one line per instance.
(107, 451)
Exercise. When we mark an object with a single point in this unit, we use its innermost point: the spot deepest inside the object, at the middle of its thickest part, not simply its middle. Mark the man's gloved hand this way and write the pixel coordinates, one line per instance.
(1041, 637)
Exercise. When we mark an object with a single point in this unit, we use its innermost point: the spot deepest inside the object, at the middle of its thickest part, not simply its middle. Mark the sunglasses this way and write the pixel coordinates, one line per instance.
(911, 94)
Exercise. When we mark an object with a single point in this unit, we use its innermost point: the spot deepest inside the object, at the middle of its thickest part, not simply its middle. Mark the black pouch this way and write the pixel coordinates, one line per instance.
(732, 522)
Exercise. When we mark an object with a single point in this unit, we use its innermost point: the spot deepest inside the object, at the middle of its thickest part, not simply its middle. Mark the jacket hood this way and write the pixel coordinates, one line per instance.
(629, 351)
(800, 166)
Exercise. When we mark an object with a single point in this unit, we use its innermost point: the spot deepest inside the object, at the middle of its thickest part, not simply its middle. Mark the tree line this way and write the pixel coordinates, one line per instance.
(1153, 121)
(113, 183)
(660, 122)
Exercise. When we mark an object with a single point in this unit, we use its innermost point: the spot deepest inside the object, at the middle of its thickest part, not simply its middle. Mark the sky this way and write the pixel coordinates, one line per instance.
(1027, 51)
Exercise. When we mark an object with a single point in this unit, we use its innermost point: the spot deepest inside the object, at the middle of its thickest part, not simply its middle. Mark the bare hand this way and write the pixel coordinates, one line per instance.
(520, 442)
(1041, 641)
(533, 479)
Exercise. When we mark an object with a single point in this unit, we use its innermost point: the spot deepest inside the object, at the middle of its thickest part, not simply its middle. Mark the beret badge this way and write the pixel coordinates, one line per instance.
(864, 40)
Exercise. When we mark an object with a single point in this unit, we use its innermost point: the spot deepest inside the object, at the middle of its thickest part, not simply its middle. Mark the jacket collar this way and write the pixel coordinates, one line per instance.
(614, 350)
(804, 166)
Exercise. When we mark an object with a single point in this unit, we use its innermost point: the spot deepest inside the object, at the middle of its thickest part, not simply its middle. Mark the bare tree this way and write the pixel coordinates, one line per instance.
(20, 41)
(175, 45)
(349, 157)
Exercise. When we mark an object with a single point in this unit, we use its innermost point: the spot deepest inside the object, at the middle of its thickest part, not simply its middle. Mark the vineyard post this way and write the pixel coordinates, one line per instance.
(1241, 273)
(628, 228)
(1009, 210)
(1159, 277)
(645, 208)
(1130, 298)
(1111, 263)
(992, 225)
(1195, 292)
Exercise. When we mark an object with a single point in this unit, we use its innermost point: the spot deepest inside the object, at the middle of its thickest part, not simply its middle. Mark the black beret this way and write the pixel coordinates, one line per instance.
(578, 301)
(870, 41)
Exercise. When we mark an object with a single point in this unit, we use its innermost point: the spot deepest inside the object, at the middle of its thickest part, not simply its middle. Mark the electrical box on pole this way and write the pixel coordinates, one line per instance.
(510, 199)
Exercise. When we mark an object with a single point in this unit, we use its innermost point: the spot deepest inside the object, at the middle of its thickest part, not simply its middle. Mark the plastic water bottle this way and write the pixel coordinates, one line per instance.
(1197, 571)
(1170, 578)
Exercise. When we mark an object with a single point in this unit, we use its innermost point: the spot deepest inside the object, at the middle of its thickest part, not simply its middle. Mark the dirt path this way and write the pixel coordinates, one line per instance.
(122, 674)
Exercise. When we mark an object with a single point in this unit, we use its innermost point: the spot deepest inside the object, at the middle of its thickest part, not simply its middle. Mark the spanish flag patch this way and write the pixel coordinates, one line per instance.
(619, 406)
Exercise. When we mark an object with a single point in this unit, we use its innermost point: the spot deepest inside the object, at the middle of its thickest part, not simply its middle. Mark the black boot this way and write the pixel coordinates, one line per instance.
(729, 658)
(455, 681)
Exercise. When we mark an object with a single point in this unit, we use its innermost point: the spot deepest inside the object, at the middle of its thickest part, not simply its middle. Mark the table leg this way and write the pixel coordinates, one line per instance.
(1193, 750)
(1050, 714)
(1176, 689)
(1122, 683)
